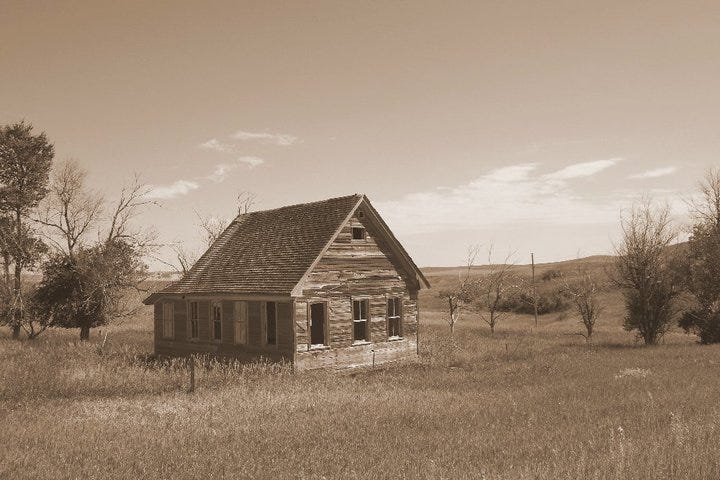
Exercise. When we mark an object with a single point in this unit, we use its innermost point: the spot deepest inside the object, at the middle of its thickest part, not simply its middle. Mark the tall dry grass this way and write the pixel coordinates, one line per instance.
(524, 403)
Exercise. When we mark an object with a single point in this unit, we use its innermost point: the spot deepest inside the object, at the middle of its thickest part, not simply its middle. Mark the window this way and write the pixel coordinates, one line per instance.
(255, 323)
(317, 324)
(240, 315)
(168, 318)
(194, 330)
(394, 317)
(358, 233)
(271, 323)
(361, 332)
(216, 316)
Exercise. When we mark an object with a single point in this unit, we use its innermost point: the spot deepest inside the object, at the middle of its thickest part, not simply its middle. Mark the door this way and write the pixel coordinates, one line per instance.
(317, 323)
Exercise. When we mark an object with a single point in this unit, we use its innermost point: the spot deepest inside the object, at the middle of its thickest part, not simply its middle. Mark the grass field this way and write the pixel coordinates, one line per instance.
(526, 403)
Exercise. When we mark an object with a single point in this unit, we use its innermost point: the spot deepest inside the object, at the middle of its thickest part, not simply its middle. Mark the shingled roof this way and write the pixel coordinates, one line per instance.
(268, 252)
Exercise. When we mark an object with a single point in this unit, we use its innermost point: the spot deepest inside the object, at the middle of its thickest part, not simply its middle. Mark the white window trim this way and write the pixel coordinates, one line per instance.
(399, 317)
(367, 321)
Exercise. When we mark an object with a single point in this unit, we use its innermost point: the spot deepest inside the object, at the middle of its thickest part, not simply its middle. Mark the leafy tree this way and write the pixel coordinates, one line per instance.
(25, 161)
(645, 271)
(88, 284)
(87, 289)
(703, 266)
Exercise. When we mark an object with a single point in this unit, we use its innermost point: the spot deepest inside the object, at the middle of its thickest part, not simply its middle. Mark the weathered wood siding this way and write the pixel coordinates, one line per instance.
(181, 345)
(363, 269)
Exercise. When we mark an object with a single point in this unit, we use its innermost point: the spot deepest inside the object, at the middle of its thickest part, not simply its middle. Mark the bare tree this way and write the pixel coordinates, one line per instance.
(460, 294)
(644, 271)
(705, 208)
(493, 288)
(583, 291)
(211, 227)
(245, 201)
(70, 210)
(90, 284)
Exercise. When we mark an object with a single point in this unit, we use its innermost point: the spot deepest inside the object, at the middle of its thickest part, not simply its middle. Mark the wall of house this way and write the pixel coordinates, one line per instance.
(254, 348)
(356, 269)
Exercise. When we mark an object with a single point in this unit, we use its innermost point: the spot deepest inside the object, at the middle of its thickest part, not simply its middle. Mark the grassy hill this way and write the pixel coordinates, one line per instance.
(529, 402)
(442, 278)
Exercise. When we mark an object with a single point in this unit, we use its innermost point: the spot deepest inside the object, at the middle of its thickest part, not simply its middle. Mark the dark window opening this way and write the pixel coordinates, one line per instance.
(361, 332)
(317, 324)
(358, 233)
(394, 317)
(217, 320)
(271, 333)
(194, 320)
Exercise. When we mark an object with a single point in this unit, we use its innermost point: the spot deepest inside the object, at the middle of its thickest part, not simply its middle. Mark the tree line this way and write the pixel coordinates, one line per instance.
(662, 282)
(86, 248)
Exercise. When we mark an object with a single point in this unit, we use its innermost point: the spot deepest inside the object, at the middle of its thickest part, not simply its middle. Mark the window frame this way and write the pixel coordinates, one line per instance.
(239, 313)
(193, 316)
(213, 304)
(326, 339)
(367, 338)
(171, 320)
(361, 228)
(265, 322)
(398, 314)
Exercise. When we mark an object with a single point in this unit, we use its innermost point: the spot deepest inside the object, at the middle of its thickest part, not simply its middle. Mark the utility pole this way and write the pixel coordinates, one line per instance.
(532, 259)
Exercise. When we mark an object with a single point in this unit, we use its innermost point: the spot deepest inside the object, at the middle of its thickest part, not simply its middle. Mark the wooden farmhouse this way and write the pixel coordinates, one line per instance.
(323, 284)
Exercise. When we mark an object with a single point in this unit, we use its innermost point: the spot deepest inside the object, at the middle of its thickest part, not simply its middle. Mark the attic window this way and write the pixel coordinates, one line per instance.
(358, 233)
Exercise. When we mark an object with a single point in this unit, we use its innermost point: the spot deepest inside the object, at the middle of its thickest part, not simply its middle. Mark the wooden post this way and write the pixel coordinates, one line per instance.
(373, 352)
(192, 374)
(532, 259)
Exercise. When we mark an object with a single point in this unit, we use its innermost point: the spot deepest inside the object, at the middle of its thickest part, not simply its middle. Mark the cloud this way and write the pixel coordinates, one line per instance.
(217, 146)
(181, 187)
(585, 169)
(222, 170)
(505, 196)
(280, 139)
(655, 173)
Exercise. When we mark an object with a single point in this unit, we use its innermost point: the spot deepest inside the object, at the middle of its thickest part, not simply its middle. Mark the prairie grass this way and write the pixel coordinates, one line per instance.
(525, 403)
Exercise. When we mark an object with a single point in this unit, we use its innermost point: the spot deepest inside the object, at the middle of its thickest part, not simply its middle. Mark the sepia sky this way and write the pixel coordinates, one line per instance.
(527, 125)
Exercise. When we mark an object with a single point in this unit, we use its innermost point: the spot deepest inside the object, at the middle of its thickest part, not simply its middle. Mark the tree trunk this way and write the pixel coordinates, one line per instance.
(84, 332)
(452, 327)
(18, 311)
(6, 268)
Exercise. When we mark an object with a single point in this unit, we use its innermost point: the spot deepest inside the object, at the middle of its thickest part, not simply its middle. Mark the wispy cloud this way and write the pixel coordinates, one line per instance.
(585, 169)
(222, 170)
(655, 173)
(280, 139)
(505, 196)
(181, 187)
(217, 146)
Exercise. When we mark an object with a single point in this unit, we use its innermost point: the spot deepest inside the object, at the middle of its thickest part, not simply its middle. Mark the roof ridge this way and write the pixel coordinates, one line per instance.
(303, 204)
